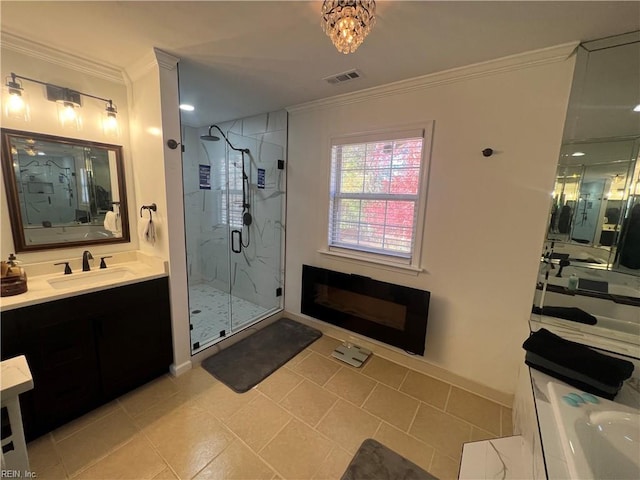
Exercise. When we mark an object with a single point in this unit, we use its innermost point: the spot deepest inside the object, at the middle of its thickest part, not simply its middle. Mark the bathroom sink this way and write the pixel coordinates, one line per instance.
(600, 438)
(87, 279)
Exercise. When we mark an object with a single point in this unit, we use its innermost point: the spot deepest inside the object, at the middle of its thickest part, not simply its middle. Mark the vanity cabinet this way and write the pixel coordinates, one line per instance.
(86, 350)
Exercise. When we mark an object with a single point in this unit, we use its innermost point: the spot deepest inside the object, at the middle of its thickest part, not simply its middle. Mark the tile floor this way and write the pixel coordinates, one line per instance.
(303, 422)
(209, 313)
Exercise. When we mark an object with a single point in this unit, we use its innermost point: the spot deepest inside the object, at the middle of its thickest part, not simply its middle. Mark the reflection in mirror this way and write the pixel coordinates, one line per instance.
(595, 191)
(63, 192)
(589, 277)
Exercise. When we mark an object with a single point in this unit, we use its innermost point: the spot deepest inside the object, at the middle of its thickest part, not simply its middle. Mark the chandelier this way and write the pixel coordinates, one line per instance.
(348, 22)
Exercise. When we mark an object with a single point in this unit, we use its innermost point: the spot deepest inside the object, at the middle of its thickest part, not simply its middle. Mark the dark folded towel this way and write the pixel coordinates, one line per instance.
(583, 382)
(568, 313)
(578, 358)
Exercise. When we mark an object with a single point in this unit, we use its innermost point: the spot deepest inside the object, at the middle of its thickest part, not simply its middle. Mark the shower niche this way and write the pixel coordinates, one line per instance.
(234, 197)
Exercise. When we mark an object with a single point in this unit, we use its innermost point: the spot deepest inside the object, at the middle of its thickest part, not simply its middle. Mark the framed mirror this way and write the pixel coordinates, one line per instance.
(63, 192)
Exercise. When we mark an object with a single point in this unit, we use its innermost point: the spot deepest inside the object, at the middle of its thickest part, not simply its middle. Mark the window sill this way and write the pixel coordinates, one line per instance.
(391, 266)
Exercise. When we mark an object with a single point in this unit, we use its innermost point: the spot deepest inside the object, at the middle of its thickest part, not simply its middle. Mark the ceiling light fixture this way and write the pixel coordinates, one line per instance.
(636, 108)
(578, 154)
(186, 107)
(348, 22)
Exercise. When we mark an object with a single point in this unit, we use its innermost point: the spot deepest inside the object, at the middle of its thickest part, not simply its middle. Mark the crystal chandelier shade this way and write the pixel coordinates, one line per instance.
(348, 22)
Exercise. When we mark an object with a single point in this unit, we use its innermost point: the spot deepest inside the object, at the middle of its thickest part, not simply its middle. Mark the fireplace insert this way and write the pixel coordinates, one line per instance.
(392, 314)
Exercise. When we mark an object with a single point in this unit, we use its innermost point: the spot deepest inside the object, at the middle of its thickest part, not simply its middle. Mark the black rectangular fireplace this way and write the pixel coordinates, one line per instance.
(390, 313)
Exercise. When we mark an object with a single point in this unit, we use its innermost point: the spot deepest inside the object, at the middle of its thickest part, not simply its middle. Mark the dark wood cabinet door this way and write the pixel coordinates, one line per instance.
(134, 338)
(58, 340)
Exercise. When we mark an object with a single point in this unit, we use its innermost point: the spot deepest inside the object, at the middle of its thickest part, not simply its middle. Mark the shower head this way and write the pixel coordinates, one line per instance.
(209, 137)
(214, 138)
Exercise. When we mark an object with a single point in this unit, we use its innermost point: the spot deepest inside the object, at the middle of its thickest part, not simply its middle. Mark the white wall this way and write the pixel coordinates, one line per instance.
(53, 67)
(158, 179)
(485, 217)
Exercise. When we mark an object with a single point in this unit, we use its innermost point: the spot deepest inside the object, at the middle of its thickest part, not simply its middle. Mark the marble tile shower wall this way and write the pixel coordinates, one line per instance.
(207, 244)
(257, 271)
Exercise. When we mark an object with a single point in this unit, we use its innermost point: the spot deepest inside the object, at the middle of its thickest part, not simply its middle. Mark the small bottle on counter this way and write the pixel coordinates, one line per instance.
(573, 282)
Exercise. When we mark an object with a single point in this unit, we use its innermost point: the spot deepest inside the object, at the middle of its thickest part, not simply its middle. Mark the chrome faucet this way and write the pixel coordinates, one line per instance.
(86, 256)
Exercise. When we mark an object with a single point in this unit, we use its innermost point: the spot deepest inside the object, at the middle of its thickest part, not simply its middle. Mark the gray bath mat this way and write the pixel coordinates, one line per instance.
(374, 461)
(246, 363)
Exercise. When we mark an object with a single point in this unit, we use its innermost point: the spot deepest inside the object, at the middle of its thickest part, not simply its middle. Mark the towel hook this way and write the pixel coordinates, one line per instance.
(151, 208)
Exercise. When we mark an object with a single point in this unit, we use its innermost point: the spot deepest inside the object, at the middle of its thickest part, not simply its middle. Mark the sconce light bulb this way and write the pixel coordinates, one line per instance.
(69, 116)
(110, 120)
(16, 103)
(69, 112)
(110, 124)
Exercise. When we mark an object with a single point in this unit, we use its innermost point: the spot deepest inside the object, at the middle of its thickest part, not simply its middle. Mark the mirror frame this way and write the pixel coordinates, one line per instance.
(13, 201)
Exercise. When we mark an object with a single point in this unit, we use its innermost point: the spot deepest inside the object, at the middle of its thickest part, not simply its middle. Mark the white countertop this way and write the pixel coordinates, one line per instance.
(134, 266)
(15, 377)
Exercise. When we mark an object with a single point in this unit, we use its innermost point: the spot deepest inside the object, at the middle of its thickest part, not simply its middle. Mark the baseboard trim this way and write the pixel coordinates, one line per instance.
(177, 370)
(415, 363)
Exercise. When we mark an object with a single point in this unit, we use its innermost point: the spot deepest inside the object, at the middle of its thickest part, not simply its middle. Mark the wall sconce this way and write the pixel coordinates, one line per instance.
(69, 102)
(15, 100)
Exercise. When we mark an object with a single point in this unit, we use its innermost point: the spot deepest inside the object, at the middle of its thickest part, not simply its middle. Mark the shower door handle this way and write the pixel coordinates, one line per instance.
(234, 234)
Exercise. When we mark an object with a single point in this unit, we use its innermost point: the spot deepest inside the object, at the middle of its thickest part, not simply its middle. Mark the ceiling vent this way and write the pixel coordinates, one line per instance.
(342, 77)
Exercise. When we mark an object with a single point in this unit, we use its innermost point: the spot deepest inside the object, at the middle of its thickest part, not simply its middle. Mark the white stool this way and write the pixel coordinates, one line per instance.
(15, 378)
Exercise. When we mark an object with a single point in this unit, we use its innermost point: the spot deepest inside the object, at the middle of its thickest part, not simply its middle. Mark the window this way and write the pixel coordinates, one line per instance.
(231, 191)
(376, 199)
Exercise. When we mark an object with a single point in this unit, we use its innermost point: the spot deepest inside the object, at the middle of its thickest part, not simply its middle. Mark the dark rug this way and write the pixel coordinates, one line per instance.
(245, 364)
(374, 461)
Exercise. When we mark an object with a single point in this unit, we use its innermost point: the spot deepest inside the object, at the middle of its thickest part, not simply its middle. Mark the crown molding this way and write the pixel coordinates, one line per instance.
(166, 60)
(49, 54)
(152, 59)
(558, 53)
(139, 68)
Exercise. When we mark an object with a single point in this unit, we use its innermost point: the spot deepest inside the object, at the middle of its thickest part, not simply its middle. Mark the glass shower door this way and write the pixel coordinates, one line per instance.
(207, 239)
(256, 208)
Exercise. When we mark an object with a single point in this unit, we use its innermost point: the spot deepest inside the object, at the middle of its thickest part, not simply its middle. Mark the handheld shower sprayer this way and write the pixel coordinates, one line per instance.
(247, 218)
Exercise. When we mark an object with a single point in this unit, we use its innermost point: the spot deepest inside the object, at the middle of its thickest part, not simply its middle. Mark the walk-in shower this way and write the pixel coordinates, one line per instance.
(234, 210)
